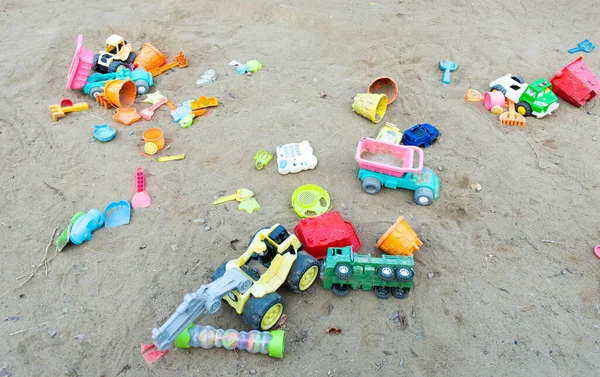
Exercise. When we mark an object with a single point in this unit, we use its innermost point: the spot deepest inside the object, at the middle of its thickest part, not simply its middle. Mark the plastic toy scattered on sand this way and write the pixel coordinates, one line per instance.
(141, 198)
(241, 195)
(473, 96)
(384, 85)
(390, 133)
(179, 61)
(249, 205)
(172, 158)
(85, 225)
(310, 201)
(511, 117)
(149, 58)
(152, 98)
(317, 234)
(117, 213)
(181, 111)
(94, 85)
(66, 102)
(254, 65)
(295, 157)
(421, 135)
(126, 116)
(154, 135)
(204, 102)
(147, 114)
(57, 111)
(80, 66)
(585, 46)
(399, 239)
(121, 93)
(64, 237)
(370, 106)
(262, 159)
(447, 66)
(150, 148)
(207, 78)
(576, 83)
(535, 99)
(187, 121)
(491, 99)
(116, 53)
(104, 132)
(597, 251)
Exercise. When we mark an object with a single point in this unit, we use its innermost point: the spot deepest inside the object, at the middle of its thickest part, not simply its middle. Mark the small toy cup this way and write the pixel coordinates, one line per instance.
(399, 239)
(155, 135)
(384, 85)
(149, 58)
(121, 93)
(370, 106)
(491, 99)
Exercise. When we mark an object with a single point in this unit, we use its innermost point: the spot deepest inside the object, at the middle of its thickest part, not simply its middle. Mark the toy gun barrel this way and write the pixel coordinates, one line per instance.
(268, 343)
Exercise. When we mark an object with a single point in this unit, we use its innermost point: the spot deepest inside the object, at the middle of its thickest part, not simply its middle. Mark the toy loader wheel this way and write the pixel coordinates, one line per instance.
(304, 272)
(404, 274)
(400, 293)
(263, 313)
(371, 185)
(423, 196)
(523, 108)
(382, 292)
(498, 88)
(340, 290)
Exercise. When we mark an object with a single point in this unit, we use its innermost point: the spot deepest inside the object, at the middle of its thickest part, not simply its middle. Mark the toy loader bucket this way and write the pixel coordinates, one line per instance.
(400, 239)
(149, 58)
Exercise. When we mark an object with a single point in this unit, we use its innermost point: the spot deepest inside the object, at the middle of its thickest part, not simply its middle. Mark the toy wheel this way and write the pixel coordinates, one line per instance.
(343, 271)
(423, 196)
(150, 148)
(142, 87)
(498, 88)
(112, 67)
(382, 292)
(404, 274)
(433, 141)
(131, 58)
(518, 79)
(385, 273)
(263, 313)
(304, 272)
(96, 91)
(96, 65)
(400, 292)
(371, 185)
(523, 108)
(340, 290)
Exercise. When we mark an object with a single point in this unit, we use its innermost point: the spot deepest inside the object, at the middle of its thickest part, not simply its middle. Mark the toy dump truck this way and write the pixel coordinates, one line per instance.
(117, 53)
(344, 269)
(535, 99)
(142, 80)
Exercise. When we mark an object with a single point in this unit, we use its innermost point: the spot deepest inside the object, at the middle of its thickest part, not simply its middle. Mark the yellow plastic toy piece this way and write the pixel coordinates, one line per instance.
(370, 106)
(56, 111)
(204, 102)
(171, 158)
(150, 148)
(390, 133)
(249, 205)
(241, 195)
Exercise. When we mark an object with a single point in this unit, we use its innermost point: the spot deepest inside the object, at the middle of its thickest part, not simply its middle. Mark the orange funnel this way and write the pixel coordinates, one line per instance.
(121, 93)
(399, 239)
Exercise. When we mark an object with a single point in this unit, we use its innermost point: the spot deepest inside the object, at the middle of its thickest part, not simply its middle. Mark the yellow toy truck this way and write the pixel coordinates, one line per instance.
(117, 53)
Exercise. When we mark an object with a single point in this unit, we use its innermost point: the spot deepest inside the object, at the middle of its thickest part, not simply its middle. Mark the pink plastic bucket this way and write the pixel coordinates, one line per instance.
(80, 66)
(491, 99)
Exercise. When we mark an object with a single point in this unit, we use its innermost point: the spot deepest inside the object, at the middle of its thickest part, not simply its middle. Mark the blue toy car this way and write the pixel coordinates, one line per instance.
(142, 80)
(420, 135)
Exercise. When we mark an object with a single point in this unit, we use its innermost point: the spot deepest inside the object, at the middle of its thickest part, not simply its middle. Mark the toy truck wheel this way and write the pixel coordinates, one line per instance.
(423, 196)
(304, 272)
(382, 292)
(498, 88)
(263, 313)
(131, 58)
(385, 273)
(400, 292)
(371, 185)
(343, 271)
(523, 108)
(96, 59)
(518, 79)
(404, 274)
(340, 290)
(142, 87)
(94, 92)
(114, 65)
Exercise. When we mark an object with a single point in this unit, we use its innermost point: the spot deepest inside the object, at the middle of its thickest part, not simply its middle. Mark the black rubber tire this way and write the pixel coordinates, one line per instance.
(498, 88)
(385, 273)
(343, 271)
(220, 271)
(400, 293)
(518, 79)
(526, 108)
(382, 292)
(340, 290)
(423, 196)
(433, 141)
(95, 67)
(303, 263)
(371, 185)
(114, 65)
(256, 308)
(96, 91)
(141, 87)
(131, 57)
(404, 274)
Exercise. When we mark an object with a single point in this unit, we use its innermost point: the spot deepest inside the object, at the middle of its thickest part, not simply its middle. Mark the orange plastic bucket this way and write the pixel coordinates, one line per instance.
(384, 85)
(149, 58)
(400, 239)
(155, 135)
(121, 93)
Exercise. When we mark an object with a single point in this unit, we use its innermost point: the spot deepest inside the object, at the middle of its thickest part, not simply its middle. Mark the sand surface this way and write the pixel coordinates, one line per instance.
(496, 304)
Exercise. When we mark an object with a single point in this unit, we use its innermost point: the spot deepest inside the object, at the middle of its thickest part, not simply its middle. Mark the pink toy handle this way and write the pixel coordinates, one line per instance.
(158, 104)
(140, 179)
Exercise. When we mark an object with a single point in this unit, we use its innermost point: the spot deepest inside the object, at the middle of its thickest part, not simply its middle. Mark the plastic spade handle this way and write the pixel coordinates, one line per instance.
(140, 179)
(446, 76)
(575, 49)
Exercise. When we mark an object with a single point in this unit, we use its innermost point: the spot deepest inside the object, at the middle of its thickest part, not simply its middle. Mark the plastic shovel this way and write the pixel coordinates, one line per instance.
(447, 66)
(241, 195)
(585, 46)
(64, 237)
(117, 213)
(141, 199)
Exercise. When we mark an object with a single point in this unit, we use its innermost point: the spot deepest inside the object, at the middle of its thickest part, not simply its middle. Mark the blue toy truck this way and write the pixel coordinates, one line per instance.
(420, 135)
(140, 77)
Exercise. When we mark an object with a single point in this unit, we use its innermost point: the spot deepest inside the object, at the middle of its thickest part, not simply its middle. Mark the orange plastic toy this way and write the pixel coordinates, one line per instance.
(156, 136)
(400, 239)
(384, 85)
(512, 118)
(204, 102)
(171, 105)
(121, 93)
(473, 96)
(103, 101)
(198, 113)
(57, 111)
(180, 60)
(149, 58)
(126, 116)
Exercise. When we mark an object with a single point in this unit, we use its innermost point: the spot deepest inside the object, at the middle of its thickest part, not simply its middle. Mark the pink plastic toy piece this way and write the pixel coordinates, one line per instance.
(597, 251)
(149, 112)
(66, 102)
(141, 199)
(388, 158)
(491, 99)
(80, 66)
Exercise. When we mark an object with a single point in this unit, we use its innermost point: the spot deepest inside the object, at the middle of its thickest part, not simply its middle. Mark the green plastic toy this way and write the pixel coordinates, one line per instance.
(310, 201)
(63, 239)
(262, 159)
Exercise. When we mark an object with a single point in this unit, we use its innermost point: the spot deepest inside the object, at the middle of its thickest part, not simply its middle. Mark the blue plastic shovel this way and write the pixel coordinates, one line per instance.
(585, 46)
(447, 66)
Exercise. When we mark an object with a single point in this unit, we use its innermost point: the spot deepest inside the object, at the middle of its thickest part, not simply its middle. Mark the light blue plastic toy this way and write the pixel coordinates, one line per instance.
(117, 213)
(85, 225)
(181, 111)
(243, 68)
(447, 66)
(104, 132)
(140, 77)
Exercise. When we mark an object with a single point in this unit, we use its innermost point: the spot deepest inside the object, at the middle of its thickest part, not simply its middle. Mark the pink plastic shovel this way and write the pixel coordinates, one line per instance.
(141, 199)
(149, 112)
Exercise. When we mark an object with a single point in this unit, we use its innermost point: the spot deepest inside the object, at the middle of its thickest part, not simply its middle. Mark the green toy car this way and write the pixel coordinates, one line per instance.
(535, 99)
(343, 269)
(140, 77)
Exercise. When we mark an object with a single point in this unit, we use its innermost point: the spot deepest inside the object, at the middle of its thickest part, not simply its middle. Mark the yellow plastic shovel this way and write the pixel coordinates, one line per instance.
(241, 195)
